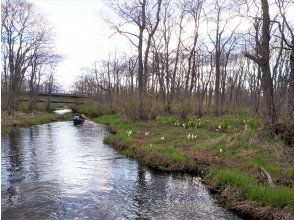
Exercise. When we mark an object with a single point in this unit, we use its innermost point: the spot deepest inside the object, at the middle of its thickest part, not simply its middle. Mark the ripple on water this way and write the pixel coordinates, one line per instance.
(59, 171)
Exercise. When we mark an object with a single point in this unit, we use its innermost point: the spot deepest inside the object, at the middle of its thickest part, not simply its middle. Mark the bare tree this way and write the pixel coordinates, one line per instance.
(221, 20)
(23, 35)
(50, 84)
(262, 58)
(289, 43)
(140, 14)
(177, 65)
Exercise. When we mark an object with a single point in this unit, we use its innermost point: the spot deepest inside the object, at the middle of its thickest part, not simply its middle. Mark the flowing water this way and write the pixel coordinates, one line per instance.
(60, 171)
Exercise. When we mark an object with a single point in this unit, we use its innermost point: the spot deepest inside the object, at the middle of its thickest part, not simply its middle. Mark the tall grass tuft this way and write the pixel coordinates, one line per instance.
(279, 195)
(93, 109)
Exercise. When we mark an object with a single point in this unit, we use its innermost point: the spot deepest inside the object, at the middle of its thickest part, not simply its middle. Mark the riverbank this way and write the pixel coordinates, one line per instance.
(228, 152)
(20, 119)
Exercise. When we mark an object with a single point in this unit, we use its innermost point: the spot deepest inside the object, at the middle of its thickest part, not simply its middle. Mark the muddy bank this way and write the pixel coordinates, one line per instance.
(227, 197)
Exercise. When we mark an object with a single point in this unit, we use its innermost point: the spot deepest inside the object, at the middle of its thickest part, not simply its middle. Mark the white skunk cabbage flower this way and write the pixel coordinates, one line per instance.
(129, 133)
(189, 136)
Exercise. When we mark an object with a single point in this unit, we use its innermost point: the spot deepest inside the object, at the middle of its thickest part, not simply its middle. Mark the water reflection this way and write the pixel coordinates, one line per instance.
(62, 111)
(60, 171)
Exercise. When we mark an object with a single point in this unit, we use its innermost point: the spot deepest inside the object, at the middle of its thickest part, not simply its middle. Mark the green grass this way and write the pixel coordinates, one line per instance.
(154, 154)
(116, 121)
(258, 161)
(120, 137)
(168, 153)
(233, 146)
(177, 135)
(125, 128)
(129, 153)
(168, 120)
(226, 123)
(41, 118)
(34, 119)
(163, 157)
(289, 172)
(237, 143)
(281, 196)
(242, 142)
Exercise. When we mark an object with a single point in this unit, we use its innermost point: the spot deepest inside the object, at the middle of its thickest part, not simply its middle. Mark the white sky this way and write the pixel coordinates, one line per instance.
(81, 34)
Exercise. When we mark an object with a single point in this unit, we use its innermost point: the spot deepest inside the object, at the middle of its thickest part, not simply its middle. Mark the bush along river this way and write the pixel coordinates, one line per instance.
(61, 171)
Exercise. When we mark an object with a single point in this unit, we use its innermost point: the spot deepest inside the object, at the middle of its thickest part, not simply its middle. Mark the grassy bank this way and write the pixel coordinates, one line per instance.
(27, 119)
(227, 151)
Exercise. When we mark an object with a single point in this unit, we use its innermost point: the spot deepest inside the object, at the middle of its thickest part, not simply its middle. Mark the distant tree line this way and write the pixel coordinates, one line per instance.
(194, 55)
(28, 55)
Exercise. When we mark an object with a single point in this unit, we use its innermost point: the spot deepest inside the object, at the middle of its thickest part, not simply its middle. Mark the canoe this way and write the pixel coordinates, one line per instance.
(78, 121)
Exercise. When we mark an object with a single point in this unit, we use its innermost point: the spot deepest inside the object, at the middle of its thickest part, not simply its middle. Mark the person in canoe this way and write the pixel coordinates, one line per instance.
(79, 118)
(83, 117)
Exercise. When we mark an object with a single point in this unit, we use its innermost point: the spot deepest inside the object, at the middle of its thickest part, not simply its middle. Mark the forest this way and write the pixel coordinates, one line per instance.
(198, 57)
(187, 57)
(198, 86)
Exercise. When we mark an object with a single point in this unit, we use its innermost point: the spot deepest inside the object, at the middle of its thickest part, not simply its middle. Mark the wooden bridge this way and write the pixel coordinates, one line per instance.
(57, 98)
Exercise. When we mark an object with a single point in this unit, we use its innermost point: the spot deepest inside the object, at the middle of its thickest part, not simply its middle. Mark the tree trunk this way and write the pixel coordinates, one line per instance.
(217, 79)
(290, 120)
(267, 82)
(262, 58)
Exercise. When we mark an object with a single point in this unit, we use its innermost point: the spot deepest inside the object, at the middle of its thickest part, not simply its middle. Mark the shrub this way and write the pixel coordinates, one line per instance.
(94, 109)
(130, 107)
(23, 107)
(183, 109)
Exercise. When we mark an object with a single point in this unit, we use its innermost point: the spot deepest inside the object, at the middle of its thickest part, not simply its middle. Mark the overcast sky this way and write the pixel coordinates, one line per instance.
(81, 34)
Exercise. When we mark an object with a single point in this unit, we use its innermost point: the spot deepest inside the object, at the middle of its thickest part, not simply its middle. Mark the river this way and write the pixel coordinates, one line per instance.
(60, 171)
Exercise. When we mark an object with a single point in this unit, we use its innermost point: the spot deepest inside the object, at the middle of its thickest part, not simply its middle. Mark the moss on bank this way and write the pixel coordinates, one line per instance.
(226, 150)
(27, 119)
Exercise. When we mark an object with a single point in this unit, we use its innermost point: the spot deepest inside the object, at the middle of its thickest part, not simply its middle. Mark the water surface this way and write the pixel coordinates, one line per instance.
(60, 171)
(62, 111)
